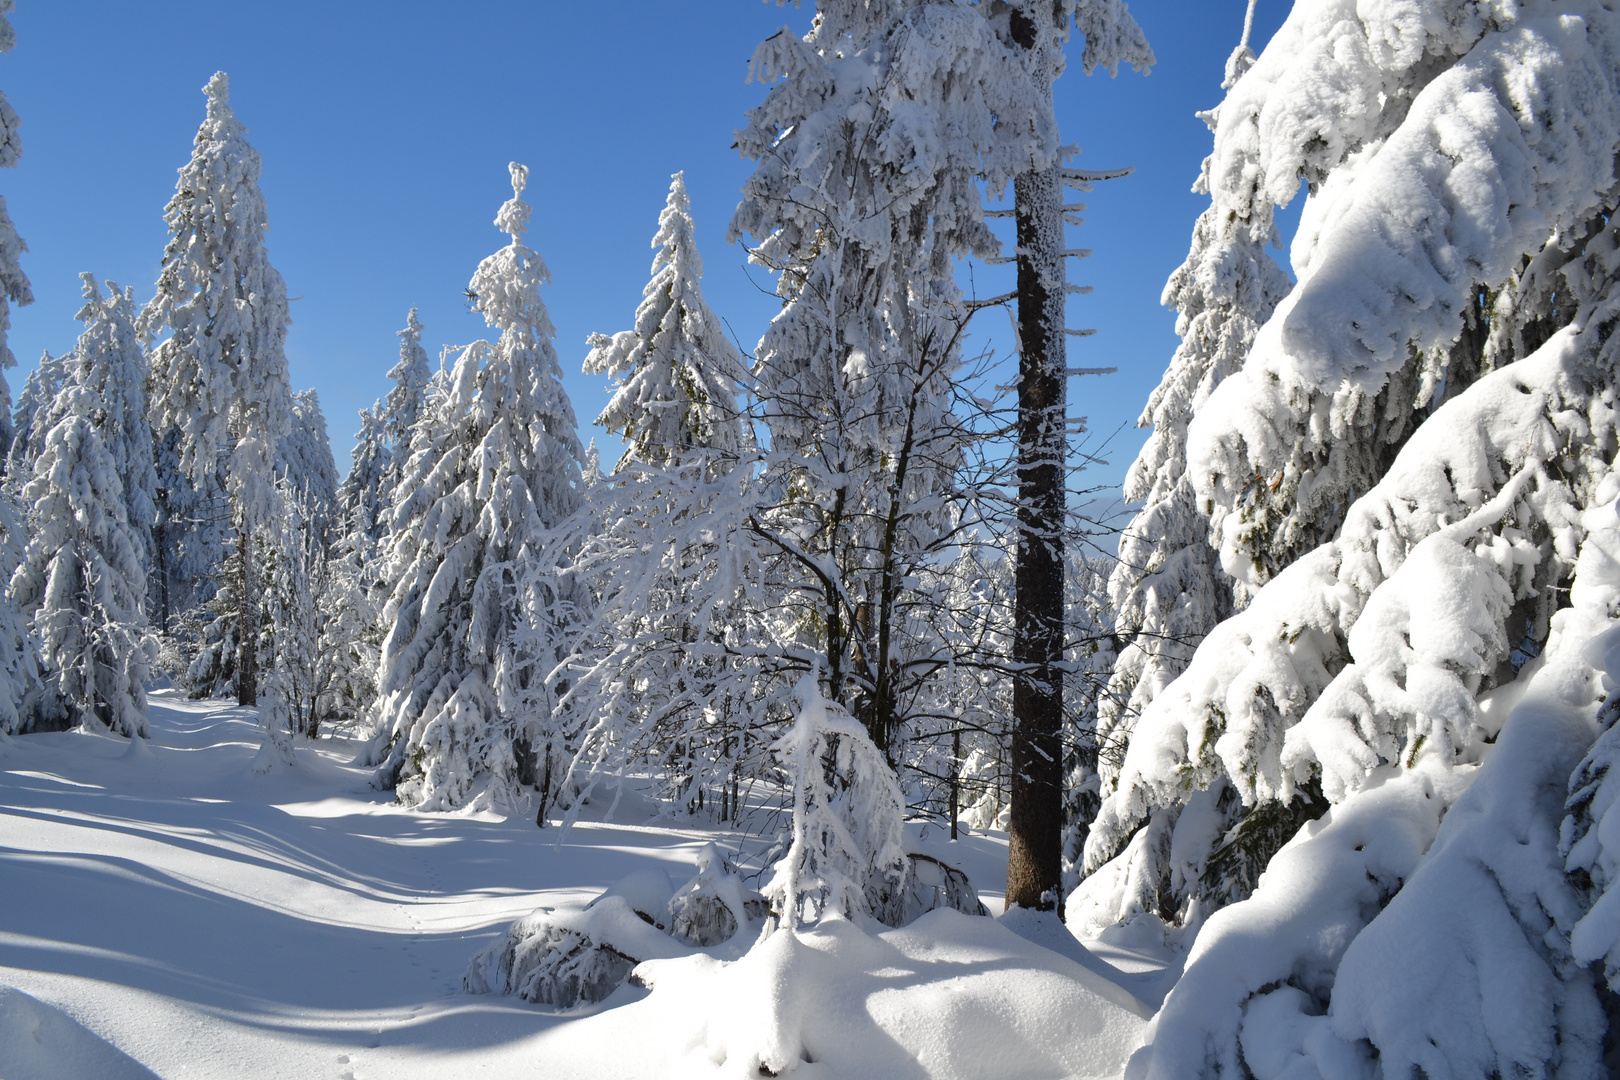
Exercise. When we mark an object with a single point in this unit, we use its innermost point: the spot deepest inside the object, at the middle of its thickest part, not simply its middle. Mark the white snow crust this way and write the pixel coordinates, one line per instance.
(174, 914)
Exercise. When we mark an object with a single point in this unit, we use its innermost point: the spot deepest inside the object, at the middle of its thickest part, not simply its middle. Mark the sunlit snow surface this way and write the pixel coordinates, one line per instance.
(167, 911)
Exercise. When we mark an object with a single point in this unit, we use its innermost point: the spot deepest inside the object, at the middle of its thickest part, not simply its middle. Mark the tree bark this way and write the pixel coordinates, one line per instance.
(1035, 818)
(247, 663)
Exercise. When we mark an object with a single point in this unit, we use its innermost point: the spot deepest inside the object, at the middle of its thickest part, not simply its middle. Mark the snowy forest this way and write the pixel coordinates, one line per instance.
(826, 729)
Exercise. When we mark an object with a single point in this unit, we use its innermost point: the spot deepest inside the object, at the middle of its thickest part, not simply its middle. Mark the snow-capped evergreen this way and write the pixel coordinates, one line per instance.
(406, 399)
(220, 376)
(1319, 444)
(676, 374)
(477, 619)
(845, 857)
(365, 494)
(108, 360)
(1168, 589)
(304, 458)
(1358, 680)
(81, 580)
(14, 284)
(30, 418)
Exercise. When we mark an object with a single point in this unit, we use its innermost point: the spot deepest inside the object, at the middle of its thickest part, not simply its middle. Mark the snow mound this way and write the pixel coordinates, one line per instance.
(39, 1042)
(949, 996)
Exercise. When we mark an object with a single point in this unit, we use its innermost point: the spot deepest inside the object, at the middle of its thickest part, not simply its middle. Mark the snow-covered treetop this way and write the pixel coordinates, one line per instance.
(506, 286)
(936, 80)
(404, 402)
(222, 374)
(10, 140)
(506, 290)
(304, 456)
(676, 372)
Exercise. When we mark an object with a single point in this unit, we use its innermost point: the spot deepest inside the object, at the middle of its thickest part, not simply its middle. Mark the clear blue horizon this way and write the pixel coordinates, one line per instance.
(385, 130)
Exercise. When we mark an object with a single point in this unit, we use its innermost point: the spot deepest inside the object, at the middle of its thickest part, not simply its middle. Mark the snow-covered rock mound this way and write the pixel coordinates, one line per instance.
(948, 996)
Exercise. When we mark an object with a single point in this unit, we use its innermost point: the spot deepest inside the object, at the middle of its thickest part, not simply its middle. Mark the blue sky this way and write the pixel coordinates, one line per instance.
(385, 129)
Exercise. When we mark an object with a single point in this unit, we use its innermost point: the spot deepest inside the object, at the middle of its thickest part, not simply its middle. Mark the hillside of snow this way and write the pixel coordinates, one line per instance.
(169, 912)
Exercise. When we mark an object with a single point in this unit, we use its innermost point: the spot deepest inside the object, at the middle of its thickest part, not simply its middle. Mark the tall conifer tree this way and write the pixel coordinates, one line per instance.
(496, 463)
(220, 376)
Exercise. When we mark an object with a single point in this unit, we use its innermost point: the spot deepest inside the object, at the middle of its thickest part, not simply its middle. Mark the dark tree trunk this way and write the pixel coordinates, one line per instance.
(247, 665)
(1035, 818)
(160, 553)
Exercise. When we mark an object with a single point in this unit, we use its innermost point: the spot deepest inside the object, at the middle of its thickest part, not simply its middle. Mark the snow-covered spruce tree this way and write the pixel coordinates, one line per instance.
(1360, 675)
(1038, 29)
(304, 460)
(14, 285)
(364, 496)
(220, 376)
(465, 703)
(872, 149)
(1167, 588)
(408, 396)
(676, 376)
(81, 580)
(189, 539)
(28, 419)
(660, 673)
(1360, 264)
(109, 362)
(1482, 509)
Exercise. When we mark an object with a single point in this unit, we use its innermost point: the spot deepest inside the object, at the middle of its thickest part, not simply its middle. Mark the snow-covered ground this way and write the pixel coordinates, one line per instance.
(164, 910)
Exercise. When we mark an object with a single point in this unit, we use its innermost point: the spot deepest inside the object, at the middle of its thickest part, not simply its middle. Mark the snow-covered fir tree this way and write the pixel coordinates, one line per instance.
(220, 376)
(30, 420)
(304, 459)
(81, 580)
(676, 376)
(406, 399)
(479, 613)
(108, 361)
(14, 284)
(1413, 464)
(1168, 589)
(365, 494)
(665, 550)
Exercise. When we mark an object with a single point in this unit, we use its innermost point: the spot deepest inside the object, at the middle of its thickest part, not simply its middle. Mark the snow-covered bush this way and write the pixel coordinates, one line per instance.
(714, 905)
(846, 857)
(567, 956)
